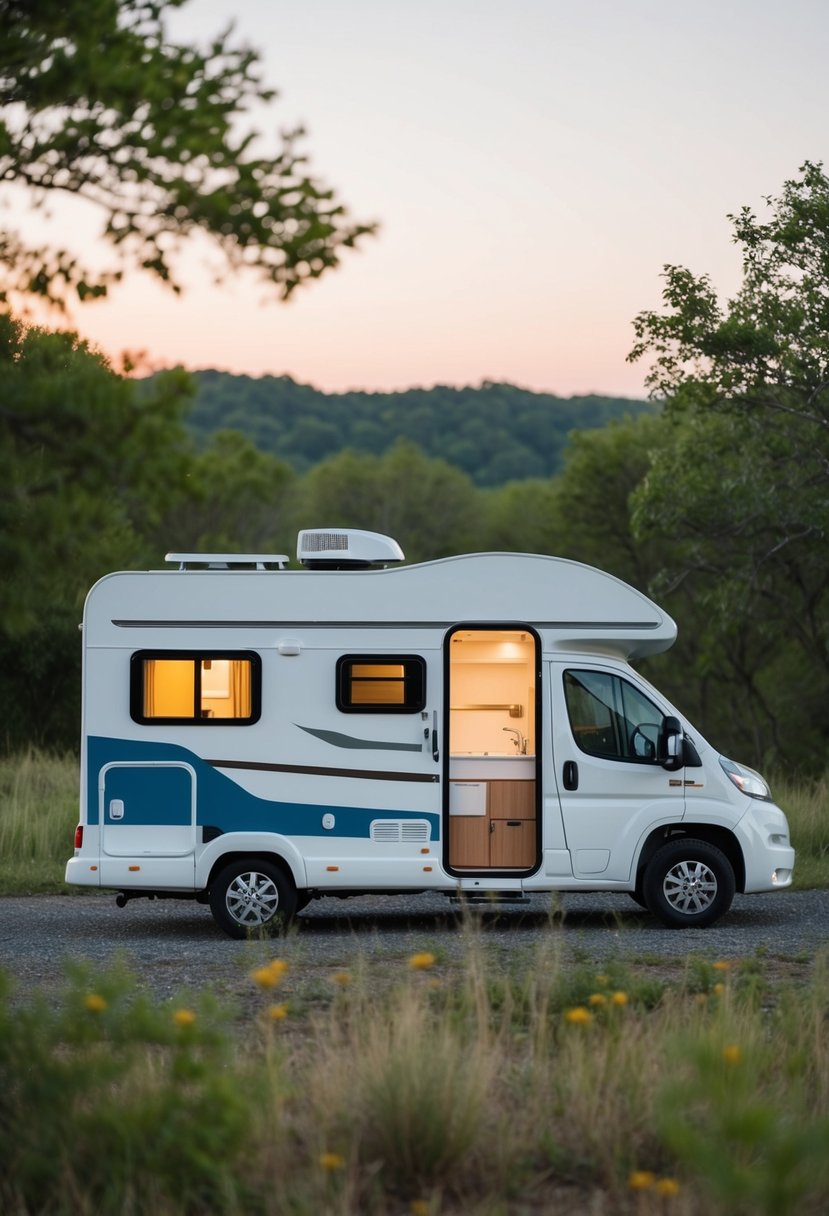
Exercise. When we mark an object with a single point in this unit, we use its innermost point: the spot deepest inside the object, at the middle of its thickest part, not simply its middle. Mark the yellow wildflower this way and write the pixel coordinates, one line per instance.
(701, 998)
(95, 1003)
(342, 978)
(597, 998)
(719, 989)
(276, 1013)
(619, 998)
(184, 1017)
(422, 961)
(332, 1161)
(731, 1054)
(270, 975)
(722, 965)
(419, 1207)
(667, 1187)
(641, 1180)
(578, 1016)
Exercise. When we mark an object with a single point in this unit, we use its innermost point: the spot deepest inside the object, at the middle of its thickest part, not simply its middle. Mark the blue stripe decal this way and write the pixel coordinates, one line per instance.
(221, 802)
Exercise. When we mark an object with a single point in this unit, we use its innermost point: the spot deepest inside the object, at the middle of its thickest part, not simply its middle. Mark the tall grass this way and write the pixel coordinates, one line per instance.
(429, 1091)
(38, 814)
(806, 803)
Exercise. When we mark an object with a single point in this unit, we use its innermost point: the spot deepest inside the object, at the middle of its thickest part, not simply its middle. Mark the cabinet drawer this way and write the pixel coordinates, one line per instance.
(512, 799)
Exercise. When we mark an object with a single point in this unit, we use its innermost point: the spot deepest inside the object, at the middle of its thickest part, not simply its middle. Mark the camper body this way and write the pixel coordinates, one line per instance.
(254, 736)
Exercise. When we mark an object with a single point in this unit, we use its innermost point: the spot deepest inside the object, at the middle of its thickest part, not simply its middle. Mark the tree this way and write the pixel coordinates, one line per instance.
(743, 484)
(86, 465)
(431, 508)
(234, 501)
(766, 352)
(99, 103)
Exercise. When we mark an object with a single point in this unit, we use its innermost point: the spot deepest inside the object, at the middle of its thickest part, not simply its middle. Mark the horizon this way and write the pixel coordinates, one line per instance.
(412, 388)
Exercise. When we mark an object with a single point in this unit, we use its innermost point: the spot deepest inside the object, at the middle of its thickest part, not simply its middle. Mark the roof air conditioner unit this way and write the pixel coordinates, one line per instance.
(345, 549)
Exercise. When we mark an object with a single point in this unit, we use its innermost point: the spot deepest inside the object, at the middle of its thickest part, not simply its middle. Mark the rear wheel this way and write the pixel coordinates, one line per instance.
(251, 897)
(688, 884)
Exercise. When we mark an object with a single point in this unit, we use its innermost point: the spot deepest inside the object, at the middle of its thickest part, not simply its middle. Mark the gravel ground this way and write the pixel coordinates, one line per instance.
(173, 945)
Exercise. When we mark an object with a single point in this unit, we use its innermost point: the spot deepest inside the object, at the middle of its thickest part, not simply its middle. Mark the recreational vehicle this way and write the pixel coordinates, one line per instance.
(255, 736)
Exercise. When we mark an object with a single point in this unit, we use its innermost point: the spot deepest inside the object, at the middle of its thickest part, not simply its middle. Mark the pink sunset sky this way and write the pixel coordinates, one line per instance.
(532, 164)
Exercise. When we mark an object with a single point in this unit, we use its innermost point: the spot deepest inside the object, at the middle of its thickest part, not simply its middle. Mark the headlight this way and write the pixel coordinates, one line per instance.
(746, 779)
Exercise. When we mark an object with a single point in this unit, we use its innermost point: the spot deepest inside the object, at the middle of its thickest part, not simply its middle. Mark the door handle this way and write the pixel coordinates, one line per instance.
(435, 748)
(116, 808)
(570, 775)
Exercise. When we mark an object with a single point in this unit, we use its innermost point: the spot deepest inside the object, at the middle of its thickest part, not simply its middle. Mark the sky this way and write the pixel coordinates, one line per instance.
(533, 165)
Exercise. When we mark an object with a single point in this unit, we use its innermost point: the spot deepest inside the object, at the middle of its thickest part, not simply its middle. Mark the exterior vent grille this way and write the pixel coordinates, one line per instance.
(345, 549)
(392, 831)
(325, 542)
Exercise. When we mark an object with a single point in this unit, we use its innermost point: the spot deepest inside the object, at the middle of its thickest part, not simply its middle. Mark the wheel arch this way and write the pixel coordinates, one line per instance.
(711, 833)
(283, 862)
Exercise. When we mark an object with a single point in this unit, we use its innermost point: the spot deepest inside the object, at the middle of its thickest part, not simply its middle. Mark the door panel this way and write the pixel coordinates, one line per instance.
(469, 841)
(602, 733)
(147, 809)
(512, 843)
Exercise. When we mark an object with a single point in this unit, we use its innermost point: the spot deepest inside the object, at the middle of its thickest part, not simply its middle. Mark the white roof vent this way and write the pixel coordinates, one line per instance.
(227, 561)
(345, 549)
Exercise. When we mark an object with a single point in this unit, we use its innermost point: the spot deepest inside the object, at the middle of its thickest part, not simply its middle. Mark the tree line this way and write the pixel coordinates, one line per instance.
(494, 433)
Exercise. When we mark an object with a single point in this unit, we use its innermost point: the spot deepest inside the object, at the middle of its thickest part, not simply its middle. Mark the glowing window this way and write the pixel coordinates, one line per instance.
(381, 684)
(195, 688)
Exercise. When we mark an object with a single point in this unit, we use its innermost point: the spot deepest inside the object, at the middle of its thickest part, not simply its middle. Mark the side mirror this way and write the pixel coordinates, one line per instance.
(670, 751)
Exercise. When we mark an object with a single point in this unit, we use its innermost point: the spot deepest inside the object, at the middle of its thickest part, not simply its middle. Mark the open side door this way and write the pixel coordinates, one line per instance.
(493, 677)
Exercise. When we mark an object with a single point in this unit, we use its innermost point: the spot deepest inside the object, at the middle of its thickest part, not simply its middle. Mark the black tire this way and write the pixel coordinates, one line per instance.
(638, 897)
(252, 897)
(688, 884)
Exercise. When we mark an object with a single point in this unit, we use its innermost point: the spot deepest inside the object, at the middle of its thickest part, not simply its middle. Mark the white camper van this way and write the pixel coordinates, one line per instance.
(255, 736)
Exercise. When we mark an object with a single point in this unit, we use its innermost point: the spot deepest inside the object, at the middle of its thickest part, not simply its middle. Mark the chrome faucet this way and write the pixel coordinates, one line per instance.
(519, 740)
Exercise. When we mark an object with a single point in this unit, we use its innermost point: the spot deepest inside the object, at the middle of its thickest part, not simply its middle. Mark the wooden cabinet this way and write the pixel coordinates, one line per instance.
(512, 844)
(469, 841)
(502, 839)
(511, 800)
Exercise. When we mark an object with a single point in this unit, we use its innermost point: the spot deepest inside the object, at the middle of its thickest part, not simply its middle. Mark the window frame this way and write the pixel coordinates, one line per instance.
(411, 683)
(197, 656)
(618, 700)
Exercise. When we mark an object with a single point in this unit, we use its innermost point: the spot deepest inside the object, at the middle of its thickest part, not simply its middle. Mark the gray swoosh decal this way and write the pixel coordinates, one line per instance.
(337, 740)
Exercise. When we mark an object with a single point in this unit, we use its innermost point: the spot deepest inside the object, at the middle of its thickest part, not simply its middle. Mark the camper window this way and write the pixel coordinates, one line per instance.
(196, 688)
(611, 718)
(381, 684)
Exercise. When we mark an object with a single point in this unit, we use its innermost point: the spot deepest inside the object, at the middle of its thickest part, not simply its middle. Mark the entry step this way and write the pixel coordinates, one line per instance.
(488, 899)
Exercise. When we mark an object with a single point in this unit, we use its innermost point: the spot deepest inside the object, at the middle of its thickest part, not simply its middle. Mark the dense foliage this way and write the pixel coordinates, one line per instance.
(100, 104)
(495, 433)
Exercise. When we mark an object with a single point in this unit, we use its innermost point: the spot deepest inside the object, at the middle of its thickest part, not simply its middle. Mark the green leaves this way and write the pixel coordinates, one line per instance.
(85, 463)
(743, 484)
(768, 347)
(152, 133)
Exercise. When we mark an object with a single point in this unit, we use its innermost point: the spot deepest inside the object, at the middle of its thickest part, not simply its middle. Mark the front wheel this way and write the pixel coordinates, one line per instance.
(251, 897)
(688, 884)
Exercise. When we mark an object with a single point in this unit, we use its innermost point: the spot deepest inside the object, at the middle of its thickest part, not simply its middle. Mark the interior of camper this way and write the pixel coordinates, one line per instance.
(492, 745)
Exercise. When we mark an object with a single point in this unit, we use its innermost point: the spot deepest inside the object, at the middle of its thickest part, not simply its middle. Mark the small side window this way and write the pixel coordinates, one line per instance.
(381, 684)
(609, 717)
(195, 688)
